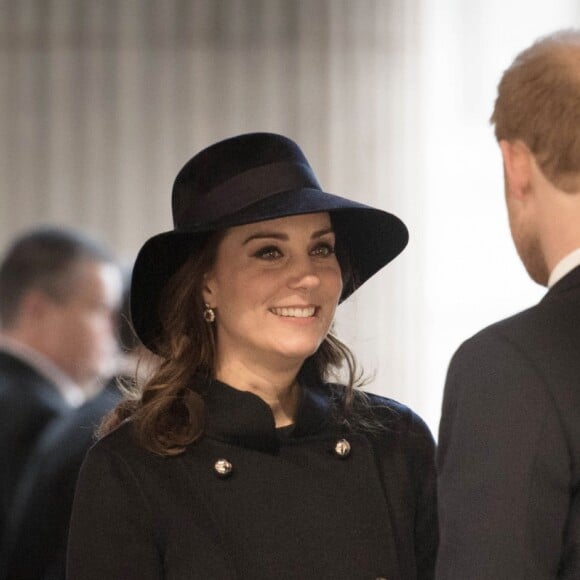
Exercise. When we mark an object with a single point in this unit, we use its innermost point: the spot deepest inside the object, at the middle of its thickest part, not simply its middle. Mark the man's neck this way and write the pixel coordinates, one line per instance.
(564, 266)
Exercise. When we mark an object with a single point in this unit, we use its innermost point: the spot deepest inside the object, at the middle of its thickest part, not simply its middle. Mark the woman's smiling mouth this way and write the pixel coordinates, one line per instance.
(294, 312)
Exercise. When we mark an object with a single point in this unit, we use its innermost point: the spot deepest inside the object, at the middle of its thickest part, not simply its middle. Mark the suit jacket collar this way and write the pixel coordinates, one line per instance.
(72, 393)
(242, 418)
(12, 365)
(569, 282)
(29, 381)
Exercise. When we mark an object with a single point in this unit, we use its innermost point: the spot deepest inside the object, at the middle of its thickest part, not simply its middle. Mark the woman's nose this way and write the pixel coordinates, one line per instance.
(303, 274)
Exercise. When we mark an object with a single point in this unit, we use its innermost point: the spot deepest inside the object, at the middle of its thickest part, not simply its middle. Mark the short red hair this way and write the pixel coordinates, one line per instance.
(538, 102)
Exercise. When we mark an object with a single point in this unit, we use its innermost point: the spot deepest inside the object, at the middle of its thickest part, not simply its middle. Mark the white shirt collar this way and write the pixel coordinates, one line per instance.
(564, 266)
(69, 390)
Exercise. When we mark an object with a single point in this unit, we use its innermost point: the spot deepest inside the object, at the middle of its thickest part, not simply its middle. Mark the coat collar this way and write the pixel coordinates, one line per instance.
(243, 419)
(568, 282)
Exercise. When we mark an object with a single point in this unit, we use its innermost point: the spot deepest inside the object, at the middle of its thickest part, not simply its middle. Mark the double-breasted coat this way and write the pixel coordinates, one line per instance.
(248, 501)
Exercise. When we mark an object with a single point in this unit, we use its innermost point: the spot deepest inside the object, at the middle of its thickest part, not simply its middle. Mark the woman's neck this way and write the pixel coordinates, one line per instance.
(279, 389)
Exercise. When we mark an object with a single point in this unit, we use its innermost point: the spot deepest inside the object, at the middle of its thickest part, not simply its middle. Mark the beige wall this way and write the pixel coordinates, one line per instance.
(102, 101)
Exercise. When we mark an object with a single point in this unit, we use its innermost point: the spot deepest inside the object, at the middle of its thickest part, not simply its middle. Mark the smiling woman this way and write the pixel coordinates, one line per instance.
(239, 458)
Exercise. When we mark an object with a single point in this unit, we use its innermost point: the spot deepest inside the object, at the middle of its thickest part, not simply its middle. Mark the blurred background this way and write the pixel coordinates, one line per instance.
(102, 101)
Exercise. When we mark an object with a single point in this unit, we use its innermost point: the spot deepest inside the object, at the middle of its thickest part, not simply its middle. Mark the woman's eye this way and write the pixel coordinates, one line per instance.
(268, 253)
(323, 250)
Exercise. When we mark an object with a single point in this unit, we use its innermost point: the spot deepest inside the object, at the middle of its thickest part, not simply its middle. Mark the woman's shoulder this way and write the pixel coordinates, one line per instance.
(390, 415)
(120, 442)
(395, 428)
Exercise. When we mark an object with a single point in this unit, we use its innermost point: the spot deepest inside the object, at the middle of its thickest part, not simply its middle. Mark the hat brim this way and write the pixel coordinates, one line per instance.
(371, 238)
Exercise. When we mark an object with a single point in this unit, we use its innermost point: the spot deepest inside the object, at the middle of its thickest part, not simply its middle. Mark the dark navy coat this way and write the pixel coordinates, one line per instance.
(509, 447)
(37, 523)
(291, 507)
(28, 403)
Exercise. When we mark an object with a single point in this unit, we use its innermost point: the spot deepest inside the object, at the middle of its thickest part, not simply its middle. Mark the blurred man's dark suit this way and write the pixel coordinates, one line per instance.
(28, 403)
(509, 447)
(38, 523)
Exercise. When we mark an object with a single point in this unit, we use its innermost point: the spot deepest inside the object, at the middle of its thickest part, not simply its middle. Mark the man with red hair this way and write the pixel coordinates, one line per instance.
(509, 441)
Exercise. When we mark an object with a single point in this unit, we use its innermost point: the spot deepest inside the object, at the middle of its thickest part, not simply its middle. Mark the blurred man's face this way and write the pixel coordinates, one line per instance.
(82, 337)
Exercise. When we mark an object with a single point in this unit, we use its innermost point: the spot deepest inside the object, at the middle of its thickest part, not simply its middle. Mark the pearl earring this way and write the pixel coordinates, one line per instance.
(208, 314)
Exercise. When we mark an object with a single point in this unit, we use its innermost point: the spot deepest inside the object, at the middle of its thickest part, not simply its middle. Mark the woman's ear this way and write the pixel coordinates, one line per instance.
(208, 290)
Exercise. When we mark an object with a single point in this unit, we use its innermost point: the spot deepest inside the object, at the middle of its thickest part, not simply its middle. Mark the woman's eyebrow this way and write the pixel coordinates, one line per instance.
(283, 237)
(266, 235)
(320, 233)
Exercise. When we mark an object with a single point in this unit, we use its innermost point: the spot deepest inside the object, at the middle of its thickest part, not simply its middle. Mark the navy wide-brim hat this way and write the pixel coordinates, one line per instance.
(247, 179)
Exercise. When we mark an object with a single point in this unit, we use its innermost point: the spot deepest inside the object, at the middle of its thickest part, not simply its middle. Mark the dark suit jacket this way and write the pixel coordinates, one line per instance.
(28, 402)
(509, 447)
(37, 527)
(290, 509)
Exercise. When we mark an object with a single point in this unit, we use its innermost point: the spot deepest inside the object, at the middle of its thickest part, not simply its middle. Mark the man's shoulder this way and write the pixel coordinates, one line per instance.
(542, 326)
(15, 370)
(25, 395)
(507, 326)
(540, 343)
(11, 364)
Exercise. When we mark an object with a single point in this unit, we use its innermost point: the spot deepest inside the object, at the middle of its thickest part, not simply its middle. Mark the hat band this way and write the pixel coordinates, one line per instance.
(242, 190)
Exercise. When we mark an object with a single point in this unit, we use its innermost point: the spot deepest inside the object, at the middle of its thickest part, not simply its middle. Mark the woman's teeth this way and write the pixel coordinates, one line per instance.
(295, 312)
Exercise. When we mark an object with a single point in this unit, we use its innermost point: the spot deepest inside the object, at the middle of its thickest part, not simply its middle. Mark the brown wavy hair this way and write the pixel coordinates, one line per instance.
(168, 412)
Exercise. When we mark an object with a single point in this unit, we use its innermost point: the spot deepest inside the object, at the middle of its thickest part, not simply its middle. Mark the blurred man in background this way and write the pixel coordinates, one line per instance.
(38, 522)
(509, 440)
(59, 295)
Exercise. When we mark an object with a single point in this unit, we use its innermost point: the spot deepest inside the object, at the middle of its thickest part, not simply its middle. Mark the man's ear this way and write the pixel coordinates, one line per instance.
(517, 162)
(35, 304)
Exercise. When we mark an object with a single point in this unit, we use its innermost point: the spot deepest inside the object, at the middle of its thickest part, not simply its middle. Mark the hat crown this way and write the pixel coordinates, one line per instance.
(246, 179)
(235, 173)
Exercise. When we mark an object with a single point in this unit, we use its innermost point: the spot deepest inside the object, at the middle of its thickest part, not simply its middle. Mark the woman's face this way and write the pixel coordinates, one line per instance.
(275, 286)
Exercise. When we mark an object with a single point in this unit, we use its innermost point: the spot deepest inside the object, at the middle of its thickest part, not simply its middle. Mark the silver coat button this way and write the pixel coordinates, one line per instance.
(342, 448)
(223, 467)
